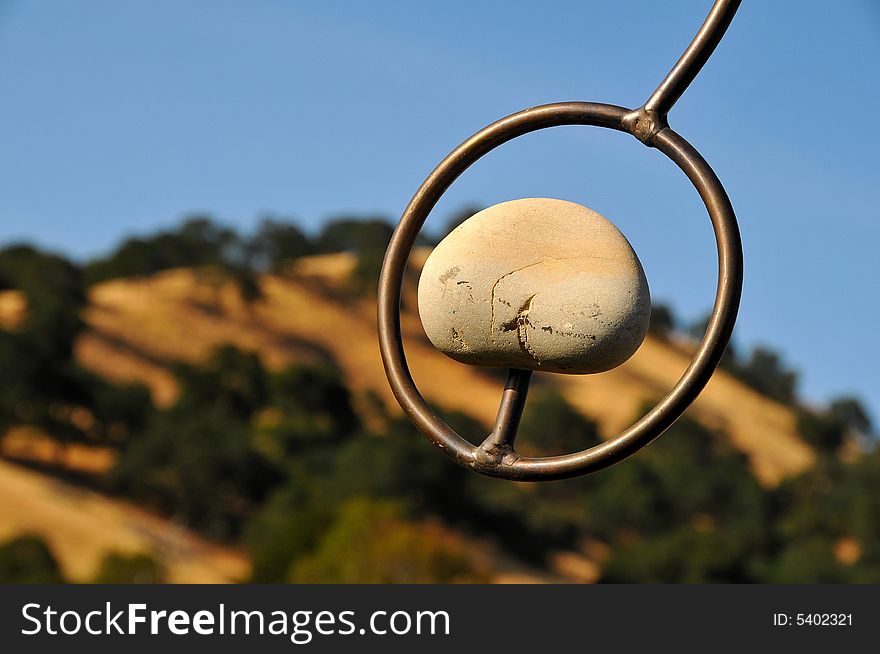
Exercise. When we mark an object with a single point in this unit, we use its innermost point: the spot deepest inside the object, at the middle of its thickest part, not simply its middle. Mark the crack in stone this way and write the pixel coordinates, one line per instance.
(459, 338)
(521, 323)
(527, 304)
(498, 281)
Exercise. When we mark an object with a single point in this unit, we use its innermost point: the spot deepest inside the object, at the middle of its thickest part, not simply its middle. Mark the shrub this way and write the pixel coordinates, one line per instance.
(231, 381)
(286, 530)
(372, 543)
(276, 244)
(663, 323)
(28, 560)
(765, 372)
(687, 509)
(355, 235)
(138, 568)
(317, 393)
(199, 241)
(820, 429)
(550, 425)
(198, 466)
(808, 561)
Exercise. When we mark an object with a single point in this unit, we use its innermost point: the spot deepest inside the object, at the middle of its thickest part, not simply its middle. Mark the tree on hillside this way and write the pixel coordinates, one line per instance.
(54, 290)
(235, 434)
(356, 235)
(315, 405)
(277, 243)
(550, 425)
(198, 465)
(28, 560)
(136, 568)
(765, 371)
(324, 473)
(852, 413)
(367, 239)
(687, 509)
(232, 381)
(663, 322)
(197, 460)
(827, 430)
(832, 503)
(246, 281)
(218, 253)
(373, 542)
(198, 241)
(46, 388)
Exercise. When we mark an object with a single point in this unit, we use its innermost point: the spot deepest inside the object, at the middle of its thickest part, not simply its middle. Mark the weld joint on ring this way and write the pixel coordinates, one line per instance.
(496, 455)
(645, 124)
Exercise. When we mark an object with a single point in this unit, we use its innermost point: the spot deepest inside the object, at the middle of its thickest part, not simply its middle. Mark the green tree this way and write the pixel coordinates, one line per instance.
(199, 466)
(46, 388)
(276, 243)
(367, 239)
(232, 381)
(198, 241)
(550, 425)
(808, 561)
(355, 235)
(832, 502)
(765, 372)
(28, 560)
(686, 509)
(120, 410)
(286, 529)
(198, 460)
(372, 542)
(312, 407)
(852, 413)
(821, 429)
(844, 419)
(137, 568)
(663, 322)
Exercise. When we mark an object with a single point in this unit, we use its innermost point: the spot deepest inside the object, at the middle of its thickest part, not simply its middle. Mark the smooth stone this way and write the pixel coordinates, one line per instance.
(537, 284)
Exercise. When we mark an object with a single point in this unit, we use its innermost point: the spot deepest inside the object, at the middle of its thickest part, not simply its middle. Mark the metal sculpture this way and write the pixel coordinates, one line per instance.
(496, 455)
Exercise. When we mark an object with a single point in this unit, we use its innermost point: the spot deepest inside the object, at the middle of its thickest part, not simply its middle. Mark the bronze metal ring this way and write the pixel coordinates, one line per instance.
(496, 456)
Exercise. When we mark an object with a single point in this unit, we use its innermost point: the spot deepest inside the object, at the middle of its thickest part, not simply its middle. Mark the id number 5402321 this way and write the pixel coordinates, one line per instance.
(812, 619)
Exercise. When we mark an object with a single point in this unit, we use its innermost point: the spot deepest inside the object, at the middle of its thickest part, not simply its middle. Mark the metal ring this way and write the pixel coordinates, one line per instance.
(504, 462)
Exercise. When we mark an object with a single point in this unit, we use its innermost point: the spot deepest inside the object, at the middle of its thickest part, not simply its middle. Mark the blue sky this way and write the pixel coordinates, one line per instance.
(120, 116)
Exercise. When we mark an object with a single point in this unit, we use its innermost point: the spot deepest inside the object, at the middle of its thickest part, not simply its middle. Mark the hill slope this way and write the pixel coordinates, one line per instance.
(138, 328)
(81, 527)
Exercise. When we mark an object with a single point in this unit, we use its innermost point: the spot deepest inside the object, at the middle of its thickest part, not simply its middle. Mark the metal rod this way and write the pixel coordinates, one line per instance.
(693, 59)
(513, 401)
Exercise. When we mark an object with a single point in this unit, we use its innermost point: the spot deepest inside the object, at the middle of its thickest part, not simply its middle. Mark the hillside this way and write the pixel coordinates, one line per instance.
(137, 329)
(81, 527)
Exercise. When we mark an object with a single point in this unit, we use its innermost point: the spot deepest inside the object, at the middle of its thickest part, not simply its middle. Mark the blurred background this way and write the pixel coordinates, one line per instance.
(195, 202)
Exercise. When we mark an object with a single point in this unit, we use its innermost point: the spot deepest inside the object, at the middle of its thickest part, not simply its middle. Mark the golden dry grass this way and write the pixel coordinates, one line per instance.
(81, 527)
(31, 446)
(13, 309)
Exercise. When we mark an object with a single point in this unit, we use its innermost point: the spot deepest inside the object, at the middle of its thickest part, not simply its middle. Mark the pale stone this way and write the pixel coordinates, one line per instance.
(537, 284)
